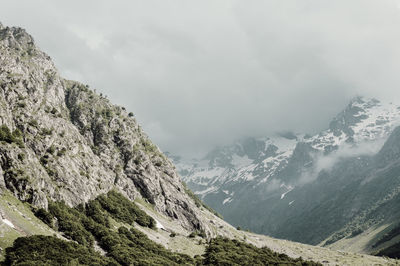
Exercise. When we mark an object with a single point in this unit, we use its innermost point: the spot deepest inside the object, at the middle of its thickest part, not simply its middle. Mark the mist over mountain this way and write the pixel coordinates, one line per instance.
(203, 74)
(339, 184)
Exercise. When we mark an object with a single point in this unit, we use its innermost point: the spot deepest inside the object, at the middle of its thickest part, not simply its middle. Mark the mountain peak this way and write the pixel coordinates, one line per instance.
(76, 144)
(17, 38)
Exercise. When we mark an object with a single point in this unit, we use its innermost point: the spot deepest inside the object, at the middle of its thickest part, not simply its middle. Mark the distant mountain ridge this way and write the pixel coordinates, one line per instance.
(253, 182)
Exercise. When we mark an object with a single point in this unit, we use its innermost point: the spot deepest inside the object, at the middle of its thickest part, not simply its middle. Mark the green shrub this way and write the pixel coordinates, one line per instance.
(126, 246)
(201, 234)
(45, 216)
(49, 250)
(33, 123)
(107, 113)
(223, 251)
(21, 156)
(11, 137)
(51, 149)
(62, 152)
(47, 131)
(44, 160)
(148, 146)
(70, 223)
(124, 210)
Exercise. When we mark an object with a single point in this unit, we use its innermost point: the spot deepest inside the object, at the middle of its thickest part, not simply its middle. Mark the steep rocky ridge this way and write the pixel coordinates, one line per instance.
(75, 143)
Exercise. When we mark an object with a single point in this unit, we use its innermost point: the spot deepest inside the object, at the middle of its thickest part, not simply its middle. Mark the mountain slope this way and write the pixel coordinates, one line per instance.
(76, 144)
(63, 148)
(308, 188)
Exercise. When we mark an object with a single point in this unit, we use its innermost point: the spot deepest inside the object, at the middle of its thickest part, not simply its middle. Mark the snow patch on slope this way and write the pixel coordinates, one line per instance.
(8, 222)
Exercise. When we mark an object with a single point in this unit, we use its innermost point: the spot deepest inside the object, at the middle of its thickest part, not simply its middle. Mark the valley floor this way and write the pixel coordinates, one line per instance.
(191, 246)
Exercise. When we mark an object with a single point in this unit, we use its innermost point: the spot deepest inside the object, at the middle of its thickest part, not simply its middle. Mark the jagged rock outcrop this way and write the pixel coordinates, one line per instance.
(62, 141)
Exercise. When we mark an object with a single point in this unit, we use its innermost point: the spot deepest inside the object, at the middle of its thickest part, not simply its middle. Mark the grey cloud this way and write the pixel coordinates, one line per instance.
(201, 73)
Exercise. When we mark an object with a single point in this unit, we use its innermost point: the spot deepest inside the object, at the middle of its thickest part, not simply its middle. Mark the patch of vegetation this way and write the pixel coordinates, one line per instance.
(124, 246)
(16, 174)
(45, 216)
(70, 222)
(91, 221)
(49, 250)
(391, 252)
(132, 247)
(148, 146)
(11, 137)
(21, 157)
(107, 113)
(33, 123)
(223, 251)
(73, 221)
(122, 209)
(61, 152)
(201, 234)
(47, 131)
(388, 236)
(51, 149)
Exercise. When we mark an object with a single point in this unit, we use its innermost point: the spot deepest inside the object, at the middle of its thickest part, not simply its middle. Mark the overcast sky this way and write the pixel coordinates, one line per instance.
(206, 72)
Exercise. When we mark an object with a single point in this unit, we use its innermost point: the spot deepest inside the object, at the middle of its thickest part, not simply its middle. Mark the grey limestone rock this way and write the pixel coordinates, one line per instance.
(75, 143)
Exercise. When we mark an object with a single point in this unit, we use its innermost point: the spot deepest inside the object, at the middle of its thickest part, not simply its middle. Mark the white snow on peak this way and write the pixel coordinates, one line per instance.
(204, 176)
(376, 121)
(282, 143)
(239, 161)
(381, 119)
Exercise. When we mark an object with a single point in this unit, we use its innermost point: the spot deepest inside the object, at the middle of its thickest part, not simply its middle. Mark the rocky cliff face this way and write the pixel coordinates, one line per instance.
(62, 141)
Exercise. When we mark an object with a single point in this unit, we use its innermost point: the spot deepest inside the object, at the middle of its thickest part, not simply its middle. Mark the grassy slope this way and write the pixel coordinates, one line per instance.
(293, 249)
(23, 219)
(30, 225)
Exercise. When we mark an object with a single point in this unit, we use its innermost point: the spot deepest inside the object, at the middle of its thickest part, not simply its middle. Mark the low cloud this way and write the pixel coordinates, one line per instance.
(202, 73)
(346, 150)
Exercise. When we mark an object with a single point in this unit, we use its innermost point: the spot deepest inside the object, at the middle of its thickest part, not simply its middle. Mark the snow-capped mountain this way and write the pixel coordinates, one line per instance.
(262, 183)
(258, 160)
